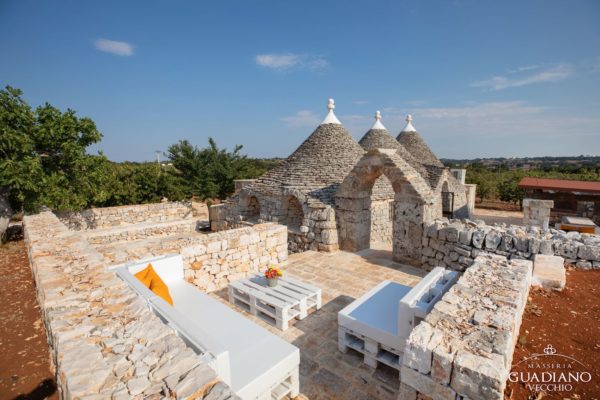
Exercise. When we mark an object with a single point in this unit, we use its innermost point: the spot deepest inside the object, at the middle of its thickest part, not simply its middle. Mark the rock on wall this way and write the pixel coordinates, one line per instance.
(455, 244)
(464, 347)
(104, 340)
(107, 217)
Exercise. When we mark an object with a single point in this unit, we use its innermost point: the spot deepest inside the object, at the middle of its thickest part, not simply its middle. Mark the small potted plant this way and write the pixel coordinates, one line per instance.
(272, 274)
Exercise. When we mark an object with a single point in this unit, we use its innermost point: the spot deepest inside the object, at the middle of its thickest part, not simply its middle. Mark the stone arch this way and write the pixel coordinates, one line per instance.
(414, 204)
(292, 212)
(382, 211)
(250, 207)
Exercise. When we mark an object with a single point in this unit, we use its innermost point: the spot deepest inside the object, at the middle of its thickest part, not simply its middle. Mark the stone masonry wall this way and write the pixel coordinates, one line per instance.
(382, 221)
(104, 340)
(140, 231)
(212, 260)
(464, 347)
(107, 217)
(317, 230)
(456, 243)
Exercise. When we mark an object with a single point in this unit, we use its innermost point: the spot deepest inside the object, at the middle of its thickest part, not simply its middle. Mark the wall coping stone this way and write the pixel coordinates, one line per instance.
(104, 340)
(465, 344)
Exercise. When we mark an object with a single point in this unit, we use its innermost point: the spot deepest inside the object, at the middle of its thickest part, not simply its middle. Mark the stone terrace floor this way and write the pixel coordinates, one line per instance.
(325, 372)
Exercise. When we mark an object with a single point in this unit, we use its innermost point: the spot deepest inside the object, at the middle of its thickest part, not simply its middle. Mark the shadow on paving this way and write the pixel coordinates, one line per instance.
(326, 372)
(45, 389)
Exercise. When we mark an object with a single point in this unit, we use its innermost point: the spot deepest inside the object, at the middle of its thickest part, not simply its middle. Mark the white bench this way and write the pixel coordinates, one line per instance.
(255, 363)
(290, 299)
(378, 323)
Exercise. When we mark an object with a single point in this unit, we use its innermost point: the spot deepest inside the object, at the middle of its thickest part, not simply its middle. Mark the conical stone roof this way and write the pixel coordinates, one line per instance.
(318, 166)
(378, 137)
(415, 145)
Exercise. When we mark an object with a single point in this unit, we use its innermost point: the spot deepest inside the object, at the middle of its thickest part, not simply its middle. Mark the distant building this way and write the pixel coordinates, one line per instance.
(580, 198)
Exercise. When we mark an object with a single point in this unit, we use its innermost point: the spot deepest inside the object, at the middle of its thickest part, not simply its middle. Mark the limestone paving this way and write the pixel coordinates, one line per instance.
(325, 372)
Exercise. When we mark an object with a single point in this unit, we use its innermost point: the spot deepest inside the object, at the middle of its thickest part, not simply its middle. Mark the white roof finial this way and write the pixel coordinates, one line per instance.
(378, 124)
(331, 118)
(409, 126)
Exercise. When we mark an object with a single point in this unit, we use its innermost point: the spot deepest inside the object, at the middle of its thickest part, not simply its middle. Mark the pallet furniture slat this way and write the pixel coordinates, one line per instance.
(290, 299)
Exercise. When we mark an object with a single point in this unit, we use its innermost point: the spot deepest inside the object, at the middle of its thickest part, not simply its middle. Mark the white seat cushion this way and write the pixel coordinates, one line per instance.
(375, 314)
(254, 352)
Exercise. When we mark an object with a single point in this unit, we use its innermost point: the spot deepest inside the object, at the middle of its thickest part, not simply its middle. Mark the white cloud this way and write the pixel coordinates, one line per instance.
(302, 119)
(554, 74)
(478, 129)
(288, 61)
(507, 128)
(524, 68)
(114, 47)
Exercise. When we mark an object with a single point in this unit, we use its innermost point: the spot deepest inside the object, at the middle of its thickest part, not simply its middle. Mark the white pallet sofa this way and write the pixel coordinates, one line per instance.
(255, 363)
(379, 323)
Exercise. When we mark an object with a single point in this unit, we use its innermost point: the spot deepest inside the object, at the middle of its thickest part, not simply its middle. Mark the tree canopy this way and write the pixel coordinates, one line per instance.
(44, 161)
(43, 158)
(209, 172)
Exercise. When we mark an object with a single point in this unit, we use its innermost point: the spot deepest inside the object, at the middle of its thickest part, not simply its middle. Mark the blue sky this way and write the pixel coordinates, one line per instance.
(481, 78)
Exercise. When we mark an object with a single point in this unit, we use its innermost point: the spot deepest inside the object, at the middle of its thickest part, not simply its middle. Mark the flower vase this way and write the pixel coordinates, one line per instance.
(272, 282)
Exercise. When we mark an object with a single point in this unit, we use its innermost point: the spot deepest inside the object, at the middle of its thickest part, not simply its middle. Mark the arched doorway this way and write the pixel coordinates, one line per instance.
(413, 204)
(382, 213)
(250, 209)
(292, 213)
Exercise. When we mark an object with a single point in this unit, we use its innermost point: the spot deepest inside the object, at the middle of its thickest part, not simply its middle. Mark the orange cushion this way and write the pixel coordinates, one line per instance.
(145, 275)
(152, 281)
(160, 288)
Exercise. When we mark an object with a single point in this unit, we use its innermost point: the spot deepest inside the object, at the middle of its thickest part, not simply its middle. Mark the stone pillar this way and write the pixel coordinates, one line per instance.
(239, 184)
(217, 217)
(537, 212)
(459, 174)
(470, 191)
(410, 215)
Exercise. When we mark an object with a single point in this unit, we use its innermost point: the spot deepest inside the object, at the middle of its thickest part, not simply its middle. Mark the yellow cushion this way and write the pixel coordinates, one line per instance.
(152, 281)
(145, 275)
(160, 288)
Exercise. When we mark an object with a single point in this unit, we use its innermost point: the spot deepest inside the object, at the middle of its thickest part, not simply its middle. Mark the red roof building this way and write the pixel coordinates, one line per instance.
(560, 185)
(577, 198)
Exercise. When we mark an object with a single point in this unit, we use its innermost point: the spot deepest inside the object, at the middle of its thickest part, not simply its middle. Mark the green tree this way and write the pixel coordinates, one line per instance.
(209, 172)
(43, 159)
(135, 183)
(509, 190)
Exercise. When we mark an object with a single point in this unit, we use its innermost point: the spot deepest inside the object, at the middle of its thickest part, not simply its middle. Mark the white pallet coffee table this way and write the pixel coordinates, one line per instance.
(291, 298)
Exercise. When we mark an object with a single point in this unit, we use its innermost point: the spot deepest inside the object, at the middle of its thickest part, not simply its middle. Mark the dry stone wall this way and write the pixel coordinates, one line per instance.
(212, 260)
(464, 347)
(110, 217)
(456, 243)
(141, 231)
(316, 231)
(104, 340)
(382, 221)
